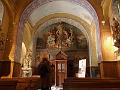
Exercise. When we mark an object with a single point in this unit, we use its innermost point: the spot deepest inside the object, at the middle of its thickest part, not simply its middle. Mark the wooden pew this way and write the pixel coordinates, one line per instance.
(91, 84)
(27, 83)
(8, 84)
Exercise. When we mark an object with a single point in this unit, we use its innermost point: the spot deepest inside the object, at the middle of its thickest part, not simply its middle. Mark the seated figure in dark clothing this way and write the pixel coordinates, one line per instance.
(44, 70)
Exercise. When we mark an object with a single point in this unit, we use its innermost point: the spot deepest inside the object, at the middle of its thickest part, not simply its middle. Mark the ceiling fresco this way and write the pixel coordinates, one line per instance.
(60, 6)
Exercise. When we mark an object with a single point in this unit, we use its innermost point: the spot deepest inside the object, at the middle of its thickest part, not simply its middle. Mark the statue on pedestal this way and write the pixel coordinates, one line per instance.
(27, 70)
(116, 32)
(116, 36)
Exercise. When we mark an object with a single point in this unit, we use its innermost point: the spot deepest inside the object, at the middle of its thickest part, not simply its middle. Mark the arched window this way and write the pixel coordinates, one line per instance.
(1, 14)
(2, 38)
(1, 11)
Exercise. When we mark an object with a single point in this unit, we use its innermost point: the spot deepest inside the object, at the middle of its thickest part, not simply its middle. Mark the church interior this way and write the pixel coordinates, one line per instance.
(64, 32)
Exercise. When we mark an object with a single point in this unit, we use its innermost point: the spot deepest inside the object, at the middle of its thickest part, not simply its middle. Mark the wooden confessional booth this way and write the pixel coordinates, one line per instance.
(60, 68)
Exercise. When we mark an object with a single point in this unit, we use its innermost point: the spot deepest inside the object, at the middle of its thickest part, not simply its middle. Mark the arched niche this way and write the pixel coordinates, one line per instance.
(38, 3)
(1, 12)
(2, 35)
(23, 52)
(77, 28)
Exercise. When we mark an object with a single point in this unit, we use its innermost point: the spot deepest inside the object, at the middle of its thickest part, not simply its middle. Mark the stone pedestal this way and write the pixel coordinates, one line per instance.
(26, 72)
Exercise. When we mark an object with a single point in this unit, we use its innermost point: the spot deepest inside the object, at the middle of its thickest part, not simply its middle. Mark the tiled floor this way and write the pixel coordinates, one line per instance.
(55, 88)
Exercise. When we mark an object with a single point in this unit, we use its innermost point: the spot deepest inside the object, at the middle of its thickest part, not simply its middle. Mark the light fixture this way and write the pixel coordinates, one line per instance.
(114, 40)
(103, 22)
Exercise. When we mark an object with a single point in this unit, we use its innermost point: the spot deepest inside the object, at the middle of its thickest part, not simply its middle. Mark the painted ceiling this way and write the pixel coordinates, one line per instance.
(60, 7)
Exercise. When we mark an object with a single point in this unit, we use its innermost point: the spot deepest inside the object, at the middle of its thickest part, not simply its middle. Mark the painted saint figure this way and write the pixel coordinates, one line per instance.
(51, 40)
(59, 35)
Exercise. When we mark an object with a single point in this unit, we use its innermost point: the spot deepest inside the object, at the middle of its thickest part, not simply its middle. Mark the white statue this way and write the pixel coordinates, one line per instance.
(27, 59)
(27, 70)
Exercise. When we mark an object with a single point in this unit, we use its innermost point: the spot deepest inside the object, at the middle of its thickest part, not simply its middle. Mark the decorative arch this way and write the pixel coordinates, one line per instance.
(66, 20)
(37, 3)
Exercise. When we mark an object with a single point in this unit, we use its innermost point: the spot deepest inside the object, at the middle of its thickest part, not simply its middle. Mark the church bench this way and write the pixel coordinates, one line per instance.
(27, 83)
(91, 84)
(90, 79)
(19, 83)
(8, 84)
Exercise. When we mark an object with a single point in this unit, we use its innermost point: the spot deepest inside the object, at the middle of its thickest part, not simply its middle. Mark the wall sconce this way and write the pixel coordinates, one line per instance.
(103, 22)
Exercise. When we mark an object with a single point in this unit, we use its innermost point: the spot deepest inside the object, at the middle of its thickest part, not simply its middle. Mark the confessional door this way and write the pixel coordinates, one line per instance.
(60, 71)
